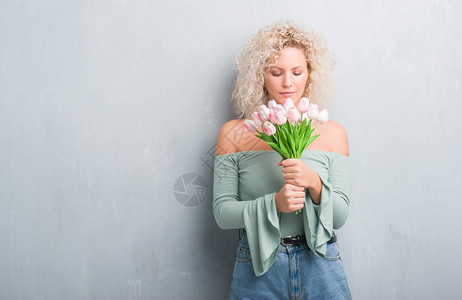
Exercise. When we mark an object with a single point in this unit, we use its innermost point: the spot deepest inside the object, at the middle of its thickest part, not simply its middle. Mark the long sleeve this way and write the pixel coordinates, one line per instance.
(258, 216)
(332, 212)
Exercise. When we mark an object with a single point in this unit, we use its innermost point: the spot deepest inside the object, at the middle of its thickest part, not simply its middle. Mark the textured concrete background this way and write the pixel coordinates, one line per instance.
(109, 111)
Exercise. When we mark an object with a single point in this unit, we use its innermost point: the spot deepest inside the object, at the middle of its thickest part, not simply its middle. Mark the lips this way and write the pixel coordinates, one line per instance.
(287, 93)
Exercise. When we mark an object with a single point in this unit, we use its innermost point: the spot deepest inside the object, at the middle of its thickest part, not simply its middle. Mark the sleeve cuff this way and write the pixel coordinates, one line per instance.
(318, 219)
(263, 232)
(315, 206)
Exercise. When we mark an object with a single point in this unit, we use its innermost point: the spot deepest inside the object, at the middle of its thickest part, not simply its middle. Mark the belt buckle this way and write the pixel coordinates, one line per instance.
(287, 236)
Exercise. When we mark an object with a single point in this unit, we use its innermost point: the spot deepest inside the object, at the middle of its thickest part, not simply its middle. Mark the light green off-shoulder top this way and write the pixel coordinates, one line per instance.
(244, 185)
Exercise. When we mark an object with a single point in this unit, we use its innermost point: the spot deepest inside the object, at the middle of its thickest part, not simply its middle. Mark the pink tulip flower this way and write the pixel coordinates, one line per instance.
(269, 128)
(256, 119)
(313, 111)
(272, 115)
(323, 116)
(272, 104)
(282, 109)
(288, 103)
(281, 117)
(294, 115)
(250, 125)
(263, 112)
(303, 105)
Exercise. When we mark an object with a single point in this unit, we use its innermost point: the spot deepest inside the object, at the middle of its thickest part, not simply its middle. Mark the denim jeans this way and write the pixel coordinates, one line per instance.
(297, 273)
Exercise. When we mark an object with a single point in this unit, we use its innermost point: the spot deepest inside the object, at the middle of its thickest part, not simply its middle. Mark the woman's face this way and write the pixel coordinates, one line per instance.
(288, 77)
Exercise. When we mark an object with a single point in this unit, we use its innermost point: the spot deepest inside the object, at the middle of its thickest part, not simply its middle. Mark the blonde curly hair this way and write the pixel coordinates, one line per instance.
(256, 57)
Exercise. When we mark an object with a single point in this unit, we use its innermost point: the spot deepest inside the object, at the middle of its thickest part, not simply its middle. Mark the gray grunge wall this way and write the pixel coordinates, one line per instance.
(109, 113)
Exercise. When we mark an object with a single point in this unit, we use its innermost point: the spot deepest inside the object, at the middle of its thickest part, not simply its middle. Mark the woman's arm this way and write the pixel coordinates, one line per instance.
(229, 211)
(258, 216)
(298, 173)
(314, 184)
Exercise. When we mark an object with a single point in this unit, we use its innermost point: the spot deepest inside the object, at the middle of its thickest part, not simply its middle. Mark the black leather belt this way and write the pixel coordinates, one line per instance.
(298, 239)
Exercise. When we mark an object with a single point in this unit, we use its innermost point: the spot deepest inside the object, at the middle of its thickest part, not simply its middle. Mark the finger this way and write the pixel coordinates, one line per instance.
(289, 169)
(291, 183)
(298, 201)
(291, 175)
(288, 176)
(294, 187)
(299, 194)
(289, 162)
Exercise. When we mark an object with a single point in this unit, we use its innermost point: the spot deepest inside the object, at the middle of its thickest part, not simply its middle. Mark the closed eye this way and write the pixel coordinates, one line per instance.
(279, 74)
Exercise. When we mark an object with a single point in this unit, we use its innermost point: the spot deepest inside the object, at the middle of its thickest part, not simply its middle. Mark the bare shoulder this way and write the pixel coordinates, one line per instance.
(338, 137)
(225, 140)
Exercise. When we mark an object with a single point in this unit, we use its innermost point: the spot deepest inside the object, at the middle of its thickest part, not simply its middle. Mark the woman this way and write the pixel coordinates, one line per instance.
(283, 255)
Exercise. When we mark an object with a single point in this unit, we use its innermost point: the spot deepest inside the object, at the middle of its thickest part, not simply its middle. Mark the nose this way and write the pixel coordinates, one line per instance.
(287, 81)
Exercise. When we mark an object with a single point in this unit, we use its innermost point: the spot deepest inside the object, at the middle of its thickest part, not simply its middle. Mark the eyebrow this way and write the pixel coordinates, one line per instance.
(283, 69)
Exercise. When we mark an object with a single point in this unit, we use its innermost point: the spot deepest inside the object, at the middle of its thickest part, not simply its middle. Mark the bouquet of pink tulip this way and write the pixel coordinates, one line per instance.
(286, 129)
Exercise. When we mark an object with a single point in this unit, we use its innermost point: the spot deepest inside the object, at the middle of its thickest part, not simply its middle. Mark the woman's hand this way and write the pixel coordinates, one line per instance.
(297, 173)
(290, 198)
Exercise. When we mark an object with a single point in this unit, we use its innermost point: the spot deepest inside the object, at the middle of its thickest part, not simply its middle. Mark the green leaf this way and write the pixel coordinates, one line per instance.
(292, 145)
(274, 138)
(296, 138)
(312, 130)
(303, 140)
(291, 127)
(274, 146)
(285, 130)
(284, 149)
(306, 128)
(278, 150)
(284, 142)
(312, 139)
